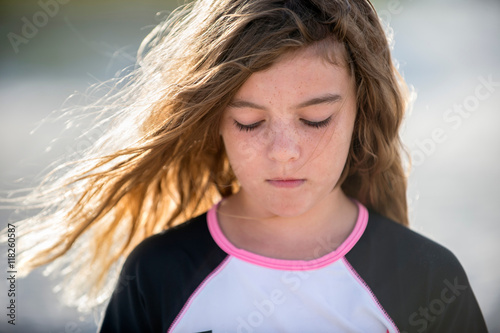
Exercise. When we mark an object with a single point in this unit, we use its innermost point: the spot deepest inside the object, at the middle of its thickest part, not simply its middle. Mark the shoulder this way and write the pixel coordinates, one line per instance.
(187, 249)
(415, 279)
(405, 247)
(159, 276)
(389, 247)
(187, 237)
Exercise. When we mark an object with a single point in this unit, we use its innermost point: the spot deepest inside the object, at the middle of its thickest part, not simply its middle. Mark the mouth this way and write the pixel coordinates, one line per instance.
(285, 182)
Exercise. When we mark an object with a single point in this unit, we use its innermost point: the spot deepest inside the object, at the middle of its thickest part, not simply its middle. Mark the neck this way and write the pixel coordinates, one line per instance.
(288, 237)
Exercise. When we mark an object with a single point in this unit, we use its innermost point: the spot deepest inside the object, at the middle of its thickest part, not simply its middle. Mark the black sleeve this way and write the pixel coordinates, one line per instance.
(420, 284)
(127, 310)
(453, 307)
(159, 276)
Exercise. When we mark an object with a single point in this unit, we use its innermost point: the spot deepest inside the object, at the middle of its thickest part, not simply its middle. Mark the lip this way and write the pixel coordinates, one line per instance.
(285, 182)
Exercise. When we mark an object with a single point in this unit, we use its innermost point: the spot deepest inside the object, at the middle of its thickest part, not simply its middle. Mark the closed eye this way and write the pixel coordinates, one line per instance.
(247, 128)
(317, 124)
(314, 124)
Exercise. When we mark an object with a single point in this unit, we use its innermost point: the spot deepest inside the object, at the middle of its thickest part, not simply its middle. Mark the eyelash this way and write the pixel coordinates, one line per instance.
(317, 124)
(314, 124)
(247, 128)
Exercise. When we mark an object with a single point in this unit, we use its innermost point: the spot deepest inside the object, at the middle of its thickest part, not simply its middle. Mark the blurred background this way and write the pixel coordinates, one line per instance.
(448, 50)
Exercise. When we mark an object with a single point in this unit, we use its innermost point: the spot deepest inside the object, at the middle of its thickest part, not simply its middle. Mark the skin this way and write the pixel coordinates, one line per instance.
(287, 134)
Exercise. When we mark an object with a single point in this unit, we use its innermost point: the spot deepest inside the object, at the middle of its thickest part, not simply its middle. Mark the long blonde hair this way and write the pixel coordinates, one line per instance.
(161, 161)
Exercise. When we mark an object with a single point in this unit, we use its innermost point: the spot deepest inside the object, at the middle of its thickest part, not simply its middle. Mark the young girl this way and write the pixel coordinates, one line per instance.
(258, 142)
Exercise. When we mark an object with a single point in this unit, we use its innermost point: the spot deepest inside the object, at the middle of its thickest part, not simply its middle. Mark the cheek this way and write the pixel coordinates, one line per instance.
(322, 145)
(242, 146)
(241, 152)
(331, 151)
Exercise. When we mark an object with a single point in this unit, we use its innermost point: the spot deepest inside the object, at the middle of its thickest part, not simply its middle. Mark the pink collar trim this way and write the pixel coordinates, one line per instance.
(293, 265)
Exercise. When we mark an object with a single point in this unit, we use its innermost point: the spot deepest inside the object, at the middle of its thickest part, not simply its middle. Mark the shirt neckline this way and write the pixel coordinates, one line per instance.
(284, 264)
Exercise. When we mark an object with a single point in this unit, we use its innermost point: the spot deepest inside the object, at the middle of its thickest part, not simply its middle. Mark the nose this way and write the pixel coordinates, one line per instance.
(284, 144)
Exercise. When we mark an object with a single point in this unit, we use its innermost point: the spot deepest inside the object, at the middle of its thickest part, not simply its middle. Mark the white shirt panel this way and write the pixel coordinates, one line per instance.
(242, 297)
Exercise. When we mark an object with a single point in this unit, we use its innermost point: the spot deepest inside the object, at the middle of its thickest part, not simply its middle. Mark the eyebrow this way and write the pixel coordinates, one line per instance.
(324, 99)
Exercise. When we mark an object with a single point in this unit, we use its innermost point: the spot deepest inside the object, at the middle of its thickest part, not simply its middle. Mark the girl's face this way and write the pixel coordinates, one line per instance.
(287, 134)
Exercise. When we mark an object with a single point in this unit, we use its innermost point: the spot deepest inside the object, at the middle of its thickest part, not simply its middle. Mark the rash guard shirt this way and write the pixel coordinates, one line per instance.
(383, 278)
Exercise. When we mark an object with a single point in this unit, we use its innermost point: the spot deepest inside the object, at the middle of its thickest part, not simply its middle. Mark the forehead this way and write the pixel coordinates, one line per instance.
(300, 74)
